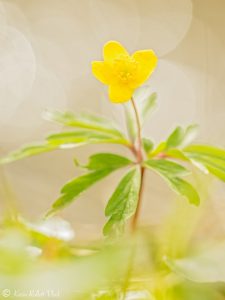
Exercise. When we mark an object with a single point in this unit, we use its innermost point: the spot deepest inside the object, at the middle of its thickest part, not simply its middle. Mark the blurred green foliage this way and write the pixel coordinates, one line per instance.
(45, 258)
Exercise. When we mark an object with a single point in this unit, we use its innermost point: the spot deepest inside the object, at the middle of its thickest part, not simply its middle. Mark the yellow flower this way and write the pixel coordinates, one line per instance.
(123, 73)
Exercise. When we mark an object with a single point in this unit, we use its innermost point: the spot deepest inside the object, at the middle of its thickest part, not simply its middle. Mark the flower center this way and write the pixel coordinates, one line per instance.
(124, 68)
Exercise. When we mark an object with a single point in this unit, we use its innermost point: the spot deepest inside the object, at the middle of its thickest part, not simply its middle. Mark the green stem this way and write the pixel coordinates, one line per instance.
(139, 157)
(139, 139)
(134, 223)
(137, 151)
(135, 218)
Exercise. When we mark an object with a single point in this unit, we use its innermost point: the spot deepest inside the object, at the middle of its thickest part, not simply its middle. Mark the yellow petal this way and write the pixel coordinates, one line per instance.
(112, 49)
(120, 93)
(147, 61)
(101, 71)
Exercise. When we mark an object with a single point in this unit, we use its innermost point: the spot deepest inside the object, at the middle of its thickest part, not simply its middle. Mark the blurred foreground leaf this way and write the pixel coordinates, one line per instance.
(208, 266)
(63, 278)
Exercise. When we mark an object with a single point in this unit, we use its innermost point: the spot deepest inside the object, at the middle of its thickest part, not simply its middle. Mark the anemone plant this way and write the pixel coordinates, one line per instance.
(125, 75)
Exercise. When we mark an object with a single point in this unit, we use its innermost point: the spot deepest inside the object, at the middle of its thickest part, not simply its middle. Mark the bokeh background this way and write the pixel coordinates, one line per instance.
(46, 47)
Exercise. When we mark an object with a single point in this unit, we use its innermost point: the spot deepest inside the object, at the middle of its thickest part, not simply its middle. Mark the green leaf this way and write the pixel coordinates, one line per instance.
(64, 140)
(175, 138)
(101, 165)
(212, 165)
(206, 150)
(184, 188)
(207, 266)
(146, 101)
(75, 137)
(177, 154)
(160, 148)
(86, 121)
(189, 135)
(114, 227)
(107, 160)
(166, 168)
(123, 202)
(130, 121)
(27, 152)
(170, 172)
(216, 172)
(148, 145)
(182, 137)
(75, 187)
(149, 106)
(124, 199)
(83, 137)
(212, 158)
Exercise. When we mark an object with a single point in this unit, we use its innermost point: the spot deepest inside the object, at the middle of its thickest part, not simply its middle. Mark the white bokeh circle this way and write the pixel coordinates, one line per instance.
(47, 93)
(157, 24)
(177, 101)
(17, 71)
(163, 24)
(117, 19)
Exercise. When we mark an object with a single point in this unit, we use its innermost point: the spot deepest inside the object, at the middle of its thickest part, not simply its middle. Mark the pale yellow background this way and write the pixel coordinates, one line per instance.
(46, 47)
